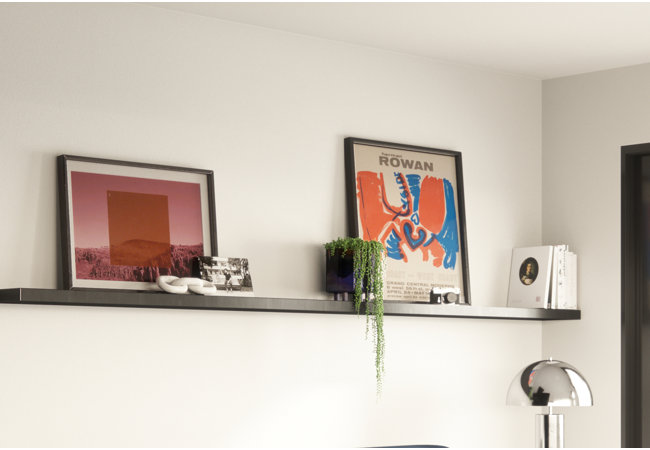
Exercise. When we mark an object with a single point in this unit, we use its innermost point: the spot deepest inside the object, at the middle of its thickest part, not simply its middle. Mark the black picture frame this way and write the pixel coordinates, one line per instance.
(380, 161)
(99, 184)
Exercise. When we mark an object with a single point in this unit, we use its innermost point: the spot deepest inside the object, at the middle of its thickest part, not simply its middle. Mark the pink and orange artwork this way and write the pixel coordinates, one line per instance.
(134, 229)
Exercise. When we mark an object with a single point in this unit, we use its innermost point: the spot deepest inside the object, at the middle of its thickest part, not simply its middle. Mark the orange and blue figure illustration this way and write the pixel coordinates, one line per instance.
(425, 220)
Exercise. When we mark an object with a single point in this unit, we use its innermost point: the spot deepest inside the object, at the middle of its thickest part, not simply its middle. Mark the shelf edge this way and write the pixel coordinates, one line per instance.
(264, 304)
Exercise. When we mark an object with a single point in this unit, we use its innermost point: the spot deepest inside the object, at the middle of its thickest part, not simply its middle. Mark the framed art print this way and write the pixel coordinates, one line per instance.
(411, 200)
(124, 223)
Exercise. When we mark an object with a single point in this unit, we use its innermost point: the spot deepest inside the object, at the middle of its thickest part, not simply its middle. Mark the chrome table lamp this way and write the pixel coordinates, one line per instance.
(549, 383)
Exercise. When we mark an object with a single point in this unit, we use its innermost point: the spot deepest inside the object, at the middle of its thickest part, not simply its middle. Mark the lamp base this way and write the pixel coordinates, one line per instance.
(549, 431)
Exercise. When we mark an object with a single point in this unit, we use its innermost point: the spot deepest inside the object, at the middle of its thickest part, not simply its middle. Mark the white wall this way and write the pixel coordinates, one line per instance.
(267, 111)
(587, 119)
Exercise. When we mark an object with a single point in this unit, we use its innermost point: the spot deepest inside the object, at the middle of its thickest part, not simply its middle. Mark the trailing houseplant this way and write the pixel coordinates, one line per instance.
(368, 283)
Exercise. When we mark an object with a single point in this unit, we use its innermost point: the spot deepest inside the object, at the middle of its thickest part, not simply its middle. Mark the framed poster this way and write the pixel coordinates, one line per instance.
(411, 200)
(125, 223)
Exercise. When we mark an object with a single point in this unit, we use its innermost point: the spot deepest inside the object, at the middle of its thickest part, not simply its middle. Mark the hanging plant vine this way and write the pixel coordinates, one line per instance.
(368, 274)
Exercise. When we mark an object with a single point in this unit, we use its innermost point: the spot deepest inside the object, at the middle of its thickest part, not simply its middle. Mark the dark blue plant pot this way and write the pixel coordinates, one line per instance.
(339, 274)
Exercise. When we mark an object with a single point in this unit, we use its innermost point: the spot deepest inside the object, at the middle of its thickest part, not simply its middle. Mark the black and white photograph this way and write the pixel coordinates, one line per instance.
(231, 276)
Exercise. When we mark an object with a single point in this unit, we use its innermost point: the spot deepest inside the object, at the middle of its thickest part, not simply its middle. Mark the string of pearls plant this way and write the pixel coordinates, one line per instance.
(368, 274)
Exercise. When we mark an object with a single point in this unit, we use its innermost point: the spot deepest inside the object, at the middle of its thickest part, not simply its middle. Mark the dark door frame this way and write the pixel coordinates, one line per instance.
(633, 296)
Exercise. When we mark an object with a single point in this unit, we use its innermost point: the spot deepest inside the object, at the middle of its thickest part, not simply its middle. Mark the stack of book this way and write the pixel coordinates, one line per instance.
(544, 277)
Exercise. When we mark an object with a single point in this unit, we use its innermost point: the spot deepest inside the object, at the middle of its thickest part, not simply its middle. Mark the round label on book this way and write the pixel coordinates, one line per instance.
(528, 271)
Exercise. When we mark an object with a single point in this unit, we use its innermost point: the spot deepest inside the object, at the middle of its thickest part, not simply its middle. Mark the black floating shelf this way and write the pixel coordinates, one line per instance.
(232, 303)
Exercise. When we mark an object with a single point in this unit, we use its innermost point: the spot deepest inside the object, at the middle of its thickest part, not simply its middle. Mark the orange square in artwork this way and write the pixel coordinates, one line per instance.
(138, 229)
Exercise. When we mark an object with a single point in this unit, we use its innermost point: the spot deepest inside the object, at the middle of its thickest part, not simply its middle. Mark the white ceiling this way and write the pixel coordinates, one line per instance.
(540, 40)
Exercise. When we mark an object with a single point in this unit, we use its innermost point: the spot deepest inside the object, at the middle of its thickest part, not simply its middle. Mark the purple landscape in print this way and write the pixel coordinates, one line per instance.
(94, 264)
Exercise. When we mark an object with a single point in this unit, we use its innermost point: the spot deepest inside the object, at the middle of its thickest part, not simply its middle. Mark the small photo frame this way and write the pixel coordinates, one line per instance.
(530, 277)
(125, 223)
(231, 276)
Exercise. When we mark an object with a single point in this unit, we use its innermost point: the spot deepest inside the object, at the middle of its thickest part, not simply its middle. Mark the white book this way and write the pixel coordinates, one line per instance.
(571, 300)
(552, 296)
(573, 291)
(530, 277)
(560, 269)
